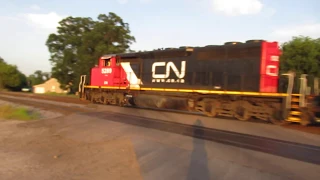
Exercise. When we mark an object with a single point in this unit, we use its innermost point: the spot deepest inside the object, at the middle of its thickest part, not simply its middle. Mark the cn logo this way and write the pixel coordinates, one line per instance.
(169, 66)
(272, 70)
(164, 76)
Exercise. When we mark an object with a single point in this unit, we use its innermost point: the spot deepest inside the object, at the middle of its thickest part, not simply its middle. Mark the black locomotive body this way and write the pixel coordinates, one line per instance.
(231, 67)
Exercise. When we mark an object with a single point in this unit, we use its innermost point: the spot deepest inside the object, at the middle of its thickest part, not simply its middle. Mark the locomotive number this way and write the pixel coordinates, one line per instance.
(106, 70)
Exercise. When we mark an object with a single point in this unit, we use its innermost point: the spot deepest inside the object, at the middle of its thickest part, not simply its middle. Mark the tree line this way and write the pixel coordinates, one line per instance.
(11, 78)
(302, 55)
(80, 41)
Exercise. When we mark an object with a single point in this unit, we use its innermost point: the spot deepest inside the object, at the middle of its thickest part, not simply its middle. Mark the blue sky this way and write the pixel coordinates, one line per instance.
(26, 24)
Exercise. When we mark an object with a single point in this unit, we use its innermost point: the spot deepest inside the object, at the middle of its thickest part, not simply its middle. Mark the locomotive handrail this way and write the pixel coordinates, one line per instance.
(290, 88)
(316, 86)
(81, 85)
(303, 90)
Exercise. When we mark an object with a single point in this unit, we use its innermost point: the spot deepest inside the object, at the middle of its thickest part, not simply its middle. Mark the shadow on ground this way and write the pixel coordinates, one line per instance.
(198, 168)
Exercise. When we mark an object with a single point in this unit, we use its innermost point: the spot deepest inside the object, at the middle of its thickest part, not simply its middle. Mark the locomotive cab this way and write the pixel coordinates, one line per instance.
(105, 62)
(108, 72)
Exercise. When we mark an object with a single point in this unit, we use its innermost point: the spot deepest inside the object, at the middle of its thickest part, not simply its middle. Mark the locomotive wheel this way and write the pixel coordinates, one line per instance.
(92, 98)
(105, 100)
(211, 109)
(306, 117)
(275, 117)
(242, 114)
(121, 103)
(241, 111)
(212, 113)
(276, 121)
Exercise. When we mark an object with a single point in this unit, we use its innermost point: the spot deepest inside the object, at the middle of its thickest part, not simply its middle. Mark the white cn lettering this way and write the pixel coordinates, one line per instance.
(169, 65)
(269, 68)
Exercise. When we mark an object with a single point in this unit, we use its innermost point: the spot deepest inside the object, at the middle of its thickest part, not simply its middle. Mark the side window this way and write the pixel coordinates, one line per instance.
(107, 62)
(117, 61)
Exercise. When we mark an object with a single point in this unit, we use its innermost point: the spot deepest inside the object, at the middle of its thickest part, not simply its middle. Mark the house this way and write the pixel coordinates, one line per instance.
(50, 86)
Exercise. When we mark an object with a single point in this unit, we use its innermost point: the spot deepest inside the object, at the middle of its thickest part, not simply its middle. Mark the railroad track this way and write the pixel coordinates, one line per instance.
(314, 129)
(65, 110)
(46, 97)
(301, 152)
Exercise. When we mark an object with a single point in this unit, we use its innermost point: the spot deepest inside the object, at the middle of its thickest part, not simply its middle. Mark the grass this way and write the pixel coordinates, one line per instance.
(17, 113)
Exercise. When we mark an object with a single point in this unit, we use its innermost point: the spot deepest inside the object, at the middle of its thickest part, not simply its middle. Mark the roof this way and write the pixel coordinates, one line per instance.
(47, 82)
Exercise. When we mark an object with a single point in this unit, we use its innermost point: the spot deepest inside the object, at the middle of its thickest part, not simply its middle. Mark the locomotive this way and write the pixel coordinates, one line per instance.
(236, 79)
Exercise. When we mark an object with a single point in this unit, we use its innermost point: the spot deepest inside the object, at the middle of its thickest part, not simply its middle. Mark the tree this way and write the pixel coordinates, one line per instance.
(301, 55)
(38, 77)
(79, 43)
(10, 77)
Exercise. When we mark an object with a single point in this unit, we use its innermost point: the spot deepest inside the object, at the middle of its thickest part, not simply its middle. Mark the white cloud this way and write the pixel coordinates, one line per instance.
(237, 7)
(35, 7)
(26, 48)
(47, 21)
(286, 33)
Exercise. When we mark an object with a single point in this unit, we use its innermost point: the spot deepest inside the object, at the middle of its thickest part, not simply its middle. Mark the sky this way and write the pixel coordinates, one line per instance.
(26, 24)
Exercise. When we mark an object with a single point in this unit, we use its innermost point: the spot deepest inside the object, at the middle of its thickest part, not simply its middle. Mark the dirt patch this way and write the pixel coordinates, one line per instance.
(37, 152)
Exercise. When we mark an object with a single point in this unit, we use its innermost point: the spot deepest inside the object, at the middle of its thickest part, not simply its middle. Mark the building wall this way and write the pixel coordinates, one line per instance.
(52, 85)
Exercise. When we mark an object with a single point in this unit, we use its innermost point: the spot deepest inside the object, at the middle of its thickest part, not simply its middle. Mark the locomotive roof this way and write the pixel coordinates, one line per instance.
(183, 49)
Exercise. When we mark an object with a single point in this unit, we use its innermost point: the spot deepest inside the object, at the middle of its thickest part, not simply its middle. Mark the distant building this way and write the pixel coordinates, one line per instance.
(50, 86)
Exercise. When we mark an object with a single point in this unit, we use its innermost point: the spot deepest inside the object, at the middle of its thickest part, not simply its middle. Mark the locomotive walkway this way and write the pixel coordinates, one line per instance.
(229, 149)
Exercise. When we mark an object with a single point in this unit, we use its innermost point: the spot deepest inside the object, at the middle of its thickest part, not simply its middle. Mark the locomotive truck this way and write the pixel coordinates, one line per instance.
(236, 79)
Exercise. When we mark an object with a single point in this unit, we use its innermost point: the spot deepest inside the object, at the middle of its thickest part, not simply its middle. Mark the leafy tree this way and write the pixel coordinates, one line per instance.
(10, 77)
(38, 77)
(79, 43)
(301, 55)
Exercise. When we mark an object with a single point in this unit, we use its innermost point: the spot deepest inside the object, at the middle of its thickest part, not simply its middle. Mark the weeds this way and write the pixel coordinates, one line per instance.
(17, 113)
